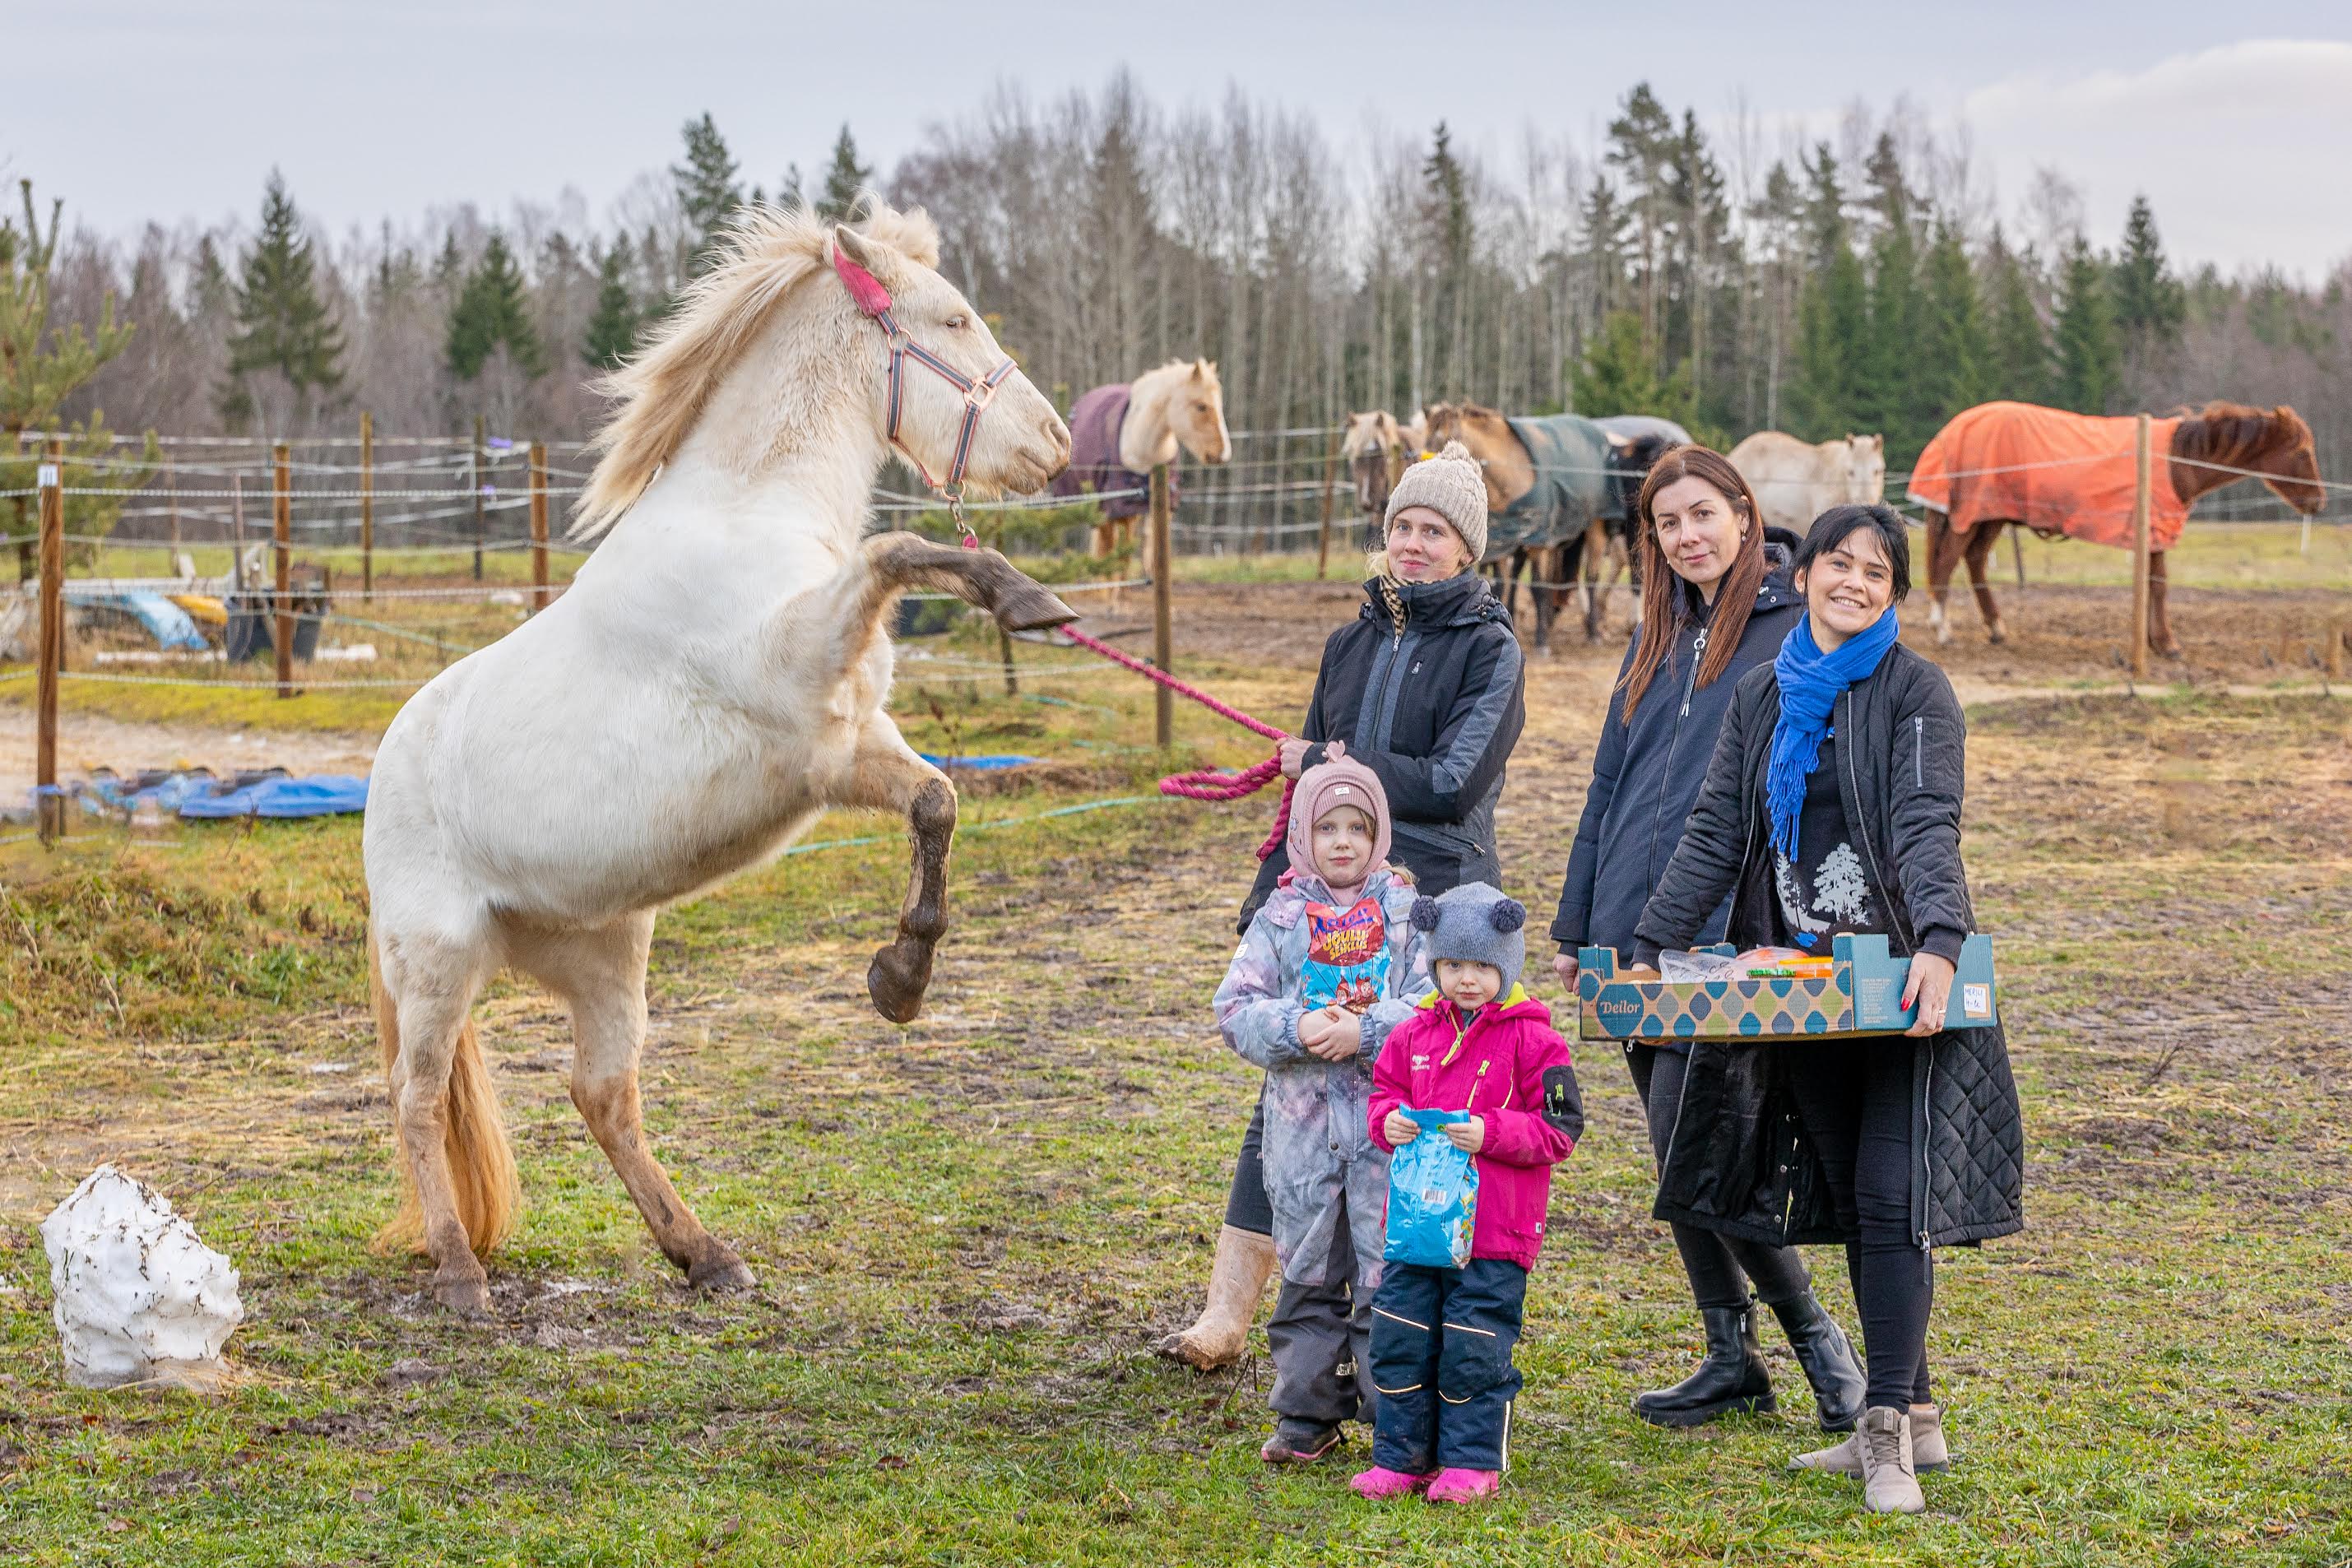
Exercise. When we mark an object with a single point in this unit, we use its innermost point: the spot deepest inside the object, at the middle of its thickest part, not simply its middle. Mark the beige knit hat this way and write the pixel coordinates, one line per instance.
(1452, 485)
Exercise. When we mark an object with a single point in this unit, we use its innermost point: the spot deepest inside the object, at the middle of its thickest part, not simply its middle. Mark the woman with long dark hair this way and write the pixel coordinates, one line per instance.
(1716, 602)
(1833, 803)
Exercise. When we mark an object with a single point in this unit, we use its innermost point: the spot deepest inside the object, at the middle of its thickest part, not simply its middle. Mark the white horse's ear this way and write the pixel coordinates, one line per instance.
(859, 248)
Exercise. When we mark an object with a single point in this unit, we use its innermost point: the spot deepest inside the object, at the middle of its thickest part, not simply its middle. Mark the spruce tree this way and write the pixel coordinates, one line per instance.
(2149, 302)
(612, 333)
(1618, 376)
(707, 191)
(492, 314)
(1890, 393)
(1825, 396)
(282, 326)
(1947, 373)
(845, 177)
(2089, 357)
(2017, 366)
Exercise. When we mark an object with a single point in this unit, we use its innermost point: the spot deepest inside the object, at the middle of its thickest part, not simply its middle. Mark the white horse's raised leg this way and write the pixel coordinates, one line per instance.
(889, 777)
(601, 976)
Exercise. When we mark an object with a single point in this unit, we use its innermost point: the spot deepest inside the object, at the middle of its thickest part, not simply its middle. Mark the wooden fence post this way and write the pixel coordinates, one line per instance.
(171, 484)
(281, 528)
(2017, 551)
(537, 526)
(477, 498)
(367, 505)
(1331, 473)
(1163, 631)
(51, 813)
(2338, 633)
(2139, 553)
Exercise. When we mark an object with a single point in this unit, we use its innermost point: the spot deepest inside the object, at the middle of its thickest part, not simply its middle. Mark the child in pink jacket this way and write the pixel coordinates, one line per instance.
(1441, 1338)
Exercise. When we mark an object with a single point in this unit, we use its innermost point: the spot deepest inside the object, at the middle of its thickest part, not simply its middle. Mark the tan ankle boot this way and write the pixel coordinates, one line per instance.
(1927, 1450)
(1236, 1283)
(1889, 1485)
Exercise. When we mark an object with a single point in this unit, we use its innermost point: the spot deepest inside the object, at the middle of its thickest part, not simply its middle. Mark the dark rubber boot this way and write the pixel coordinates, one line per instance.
(1828, 1358)
(1732, 1378)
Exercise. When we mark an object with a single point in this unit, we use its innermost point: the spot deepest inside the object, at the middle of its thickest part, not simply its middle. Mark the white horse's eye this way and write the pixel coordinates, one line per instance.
(958, 323)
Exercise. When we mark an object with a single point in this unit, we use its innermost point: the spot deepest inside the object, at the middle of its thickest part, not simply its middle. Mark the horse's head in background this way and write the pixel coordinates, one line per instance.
(1366, 448)
(782, 340)
(1196, 412)
(1502, 458)
(2274, 443)
(1866, 474)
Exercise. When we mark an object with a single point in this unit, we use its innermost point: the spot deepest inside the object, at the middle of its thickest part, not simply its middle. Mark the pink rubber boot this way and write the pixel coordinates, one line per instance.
(1465, 1485)
(1377, 1483)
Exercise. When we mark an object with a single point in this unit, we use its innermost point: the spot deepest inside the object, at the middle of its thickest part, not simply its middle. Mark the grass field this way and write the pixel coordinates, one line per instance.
(966, 1232)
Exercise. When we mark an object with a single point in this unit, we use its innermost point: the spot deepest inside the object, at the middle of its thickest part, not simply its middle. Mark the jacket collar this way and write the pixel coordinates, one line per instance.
(1513, 1004)
(1461, 600)
(1776, 591)
(1306, 887)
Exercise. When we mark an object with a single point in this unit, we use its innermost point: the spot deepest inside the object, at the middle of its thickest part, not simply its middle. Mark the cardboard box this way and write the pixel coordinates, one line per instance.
(1861, 995)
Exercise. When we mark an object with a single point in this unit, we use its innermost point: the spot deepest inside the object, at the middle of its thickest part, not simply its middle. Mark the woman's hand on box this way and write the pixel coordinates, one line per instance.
(1564, 966)
(1930, 986)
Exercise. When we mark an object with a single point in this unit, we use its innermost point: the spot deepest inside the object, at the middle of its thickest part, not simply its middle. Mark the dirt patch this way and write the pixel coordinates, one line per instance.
(87, 741)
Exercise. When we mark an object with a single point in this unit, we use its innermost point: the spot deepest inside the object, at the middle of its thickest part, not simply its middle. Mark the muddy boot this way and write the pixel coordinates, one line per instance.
(1732, 1377)
(1889, 1485)
(1236, 1283)
(1927, 1450)
(1828, 1358)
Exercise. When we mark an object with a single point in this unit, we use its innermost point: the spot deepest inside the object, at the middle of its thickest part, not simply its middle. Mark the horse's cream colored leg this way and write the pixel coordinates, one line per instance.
(601, 976)
(841, 620)
(433, 985)
(887, 775)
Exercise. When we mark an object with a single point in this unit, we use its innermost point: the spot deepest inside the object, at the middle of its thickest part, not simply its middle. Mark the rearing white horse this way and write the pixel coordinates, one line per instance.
(715, 676)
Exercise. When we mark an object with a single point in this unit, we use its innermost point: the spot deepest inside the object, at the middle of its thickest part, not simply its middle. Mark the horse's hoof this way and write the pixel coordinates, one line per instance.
(896, 983)
(1030, 608)
(2172, 653)
(1996, 636)
(467, 1295)
(720, 1270)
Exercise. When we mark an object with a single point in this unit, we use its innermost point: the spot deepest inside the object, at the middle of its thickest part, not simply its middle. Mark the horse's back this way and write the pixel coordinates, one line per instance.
(1571, 458)
(2049, 468)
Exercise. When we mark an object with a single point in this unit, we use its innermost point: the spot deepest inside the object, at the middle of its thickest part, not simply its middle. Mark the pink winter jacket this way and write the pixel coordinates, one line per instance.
(1513, 1070)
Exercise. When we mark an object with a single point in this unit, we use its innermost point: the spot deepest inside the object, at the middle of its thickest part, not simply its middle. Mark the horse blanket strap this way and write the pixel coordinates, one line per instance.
(874, 301)
(2056, 472)
(1574, 484)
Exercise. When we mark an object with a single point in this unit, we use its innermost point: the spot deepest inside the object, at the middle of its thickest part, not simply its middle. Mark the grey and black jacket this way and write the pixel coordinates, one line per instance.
(1434, 707)
(1738, 1161)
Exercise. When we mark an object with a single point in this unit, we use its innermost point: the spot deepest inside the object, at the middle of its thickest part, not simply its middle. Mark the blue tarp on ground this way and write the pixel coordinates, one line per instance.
(199, 795)
(978, 764)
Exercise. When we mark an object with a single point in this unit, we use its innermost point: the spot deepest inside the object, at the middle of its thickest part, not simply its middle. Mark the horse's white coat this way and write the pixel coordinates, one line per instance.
(1796, 482)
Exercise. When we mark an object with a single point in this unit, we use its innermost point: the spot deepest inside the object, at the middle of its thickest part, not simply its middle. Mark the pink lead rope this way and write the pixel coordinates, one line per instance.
(1209, 783)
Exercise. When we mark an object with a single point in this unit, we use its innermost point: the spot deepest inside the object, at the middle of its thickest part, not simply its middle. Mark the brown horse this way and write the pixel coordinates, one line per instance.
(2205, 444)
(1510, 474)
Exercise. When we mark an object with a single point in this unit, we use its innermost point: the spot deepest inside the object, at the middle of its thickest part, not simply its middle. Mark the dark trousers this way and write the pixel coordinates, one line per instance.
(1715, 1262)
(1442, 1342)
(1246, 1206)
(1318, 1339)
(1855, 1097)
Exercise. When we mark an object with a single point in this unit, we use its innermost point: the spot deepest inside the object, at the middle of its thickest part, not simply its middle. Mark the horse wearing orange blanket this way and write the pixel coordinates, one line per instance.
(2076, 474)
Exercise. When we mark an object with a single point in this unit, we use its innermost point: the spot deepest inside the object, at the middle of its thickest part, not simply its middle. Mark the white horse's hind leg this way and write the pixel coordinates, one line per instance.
(432, 984)
(889, 777)
(601, 976)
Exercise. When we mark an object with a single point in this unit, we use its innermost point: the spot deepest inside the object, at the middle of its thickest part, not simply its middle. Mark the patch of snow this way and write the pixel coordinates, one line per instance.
(139, 1296)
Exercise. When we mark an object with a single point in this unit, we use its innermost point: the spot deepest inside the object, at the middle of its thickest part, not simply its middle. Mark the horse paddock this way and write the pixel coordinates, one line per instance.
(966, 1232)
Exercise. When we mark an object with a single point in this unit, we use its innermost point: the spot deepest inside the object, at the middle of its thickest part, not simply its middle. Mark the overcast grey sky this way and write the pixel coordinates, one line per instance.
(2237, 120)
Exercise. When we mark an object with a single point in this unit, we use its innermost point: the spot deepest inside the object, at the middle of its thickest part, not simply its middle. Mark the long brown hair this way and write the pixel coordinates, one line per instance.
(1663, 612)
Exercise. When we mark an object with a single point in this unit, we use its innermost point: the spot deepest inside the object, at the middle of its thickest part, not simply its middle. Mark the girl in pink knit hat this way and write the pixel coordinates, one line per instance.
(1331, 963)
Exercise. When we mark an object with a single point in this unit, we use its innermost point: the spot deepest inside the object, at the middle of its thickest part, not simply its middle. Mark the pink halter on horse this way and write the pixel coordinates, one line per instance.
(873, 300)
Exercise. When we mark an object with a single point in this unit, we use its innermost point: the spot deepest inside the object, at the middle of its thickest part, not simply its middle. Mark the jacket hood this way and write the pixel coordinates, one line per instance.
(1462, 600)
(1513, 1003)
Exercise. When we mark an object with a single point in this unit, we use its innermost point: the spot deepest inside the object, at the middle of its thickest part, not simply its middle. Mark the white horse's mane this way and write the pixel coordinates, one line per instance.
(661, 391)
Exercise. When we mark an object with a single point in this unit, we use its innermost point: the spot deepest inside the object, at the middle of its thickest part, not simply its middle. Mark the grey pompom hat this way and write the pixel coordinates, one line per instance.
(1452, 485)
(1475, 924)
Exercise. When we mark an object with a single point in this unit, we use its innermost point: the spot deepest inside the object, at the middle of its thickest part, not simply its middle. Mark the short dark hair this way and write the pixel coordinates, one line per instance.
(1833, 527)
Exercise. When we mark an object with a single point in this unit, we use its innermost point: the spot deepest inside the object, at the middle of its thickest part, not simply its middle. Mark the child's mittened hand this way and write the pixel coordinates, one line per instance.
(1399, 1129)
(1467, 1136)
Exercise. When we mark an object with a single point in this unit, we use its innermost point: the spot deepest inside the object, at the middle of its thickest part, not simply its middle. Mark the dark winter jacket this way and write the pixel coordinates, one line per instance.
(1738, 1161)
(1433, 707)
(1646, 773)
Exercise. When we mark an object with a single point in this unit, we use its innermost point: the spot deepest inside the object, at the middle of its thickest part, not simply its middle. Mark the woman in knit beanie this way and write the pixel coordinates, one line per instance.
(1434, 645)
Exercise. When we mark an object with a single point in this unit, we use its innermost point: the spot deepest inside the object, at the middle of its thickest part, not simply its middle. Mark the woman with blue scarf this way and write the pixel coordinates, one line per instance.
(1833, 803)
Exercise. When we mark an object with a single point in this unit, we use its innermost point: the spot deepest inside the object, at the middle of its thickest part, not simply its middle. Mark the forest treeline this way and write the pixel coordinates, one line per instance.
(1733, 277)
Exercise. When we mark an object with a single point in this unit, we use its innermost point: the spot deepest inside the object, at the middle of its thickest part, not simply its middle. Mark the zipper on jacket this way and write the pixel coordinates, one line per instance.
(1690, 681)
(1862, 831)
(1475, 1082)
(1673, 743)
(1385, 710)
(1926, 1142)
(1918, 751)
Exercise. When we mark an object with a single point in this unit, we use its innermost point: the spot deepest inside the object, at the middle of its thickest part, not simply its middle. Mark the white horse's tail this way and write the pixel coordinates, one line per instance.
(481, 1161)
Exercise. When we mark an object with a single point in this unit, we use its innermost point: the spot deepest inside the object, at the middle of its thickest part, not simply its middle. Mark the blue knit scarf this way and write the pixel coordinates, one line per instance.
(1810, 683)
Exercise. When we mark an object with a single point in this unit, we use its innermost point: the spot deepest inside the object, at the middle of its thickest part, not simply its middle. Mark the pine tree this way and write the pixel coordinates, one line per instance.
(1891, 400)
(1641, 147)
(1618, 376)
(210, 292)
(1447, 241)
(1826, 395)
(613, 329)
(1602, 222)
(2149, 302)
(1949, 370)
(789, 193)
(707, 191)
(2018, 366)
(282, 325)
(492, 314)
(2089, 357)
(844, 178)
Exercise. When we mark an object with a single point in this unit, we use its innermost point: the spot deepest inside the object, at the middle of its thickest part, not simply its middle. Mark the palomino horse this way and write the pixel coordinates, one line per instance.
(1372, 447)
(716, 676)
(2074, 474)
(1796, 482)
(1540, 513)
(1119, 434)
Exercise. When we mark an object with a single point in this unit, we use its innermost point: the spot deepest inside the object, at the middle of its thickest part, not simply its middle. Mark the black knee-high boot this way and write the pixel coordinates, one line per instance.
(1732, 1378)
(1828, 1358)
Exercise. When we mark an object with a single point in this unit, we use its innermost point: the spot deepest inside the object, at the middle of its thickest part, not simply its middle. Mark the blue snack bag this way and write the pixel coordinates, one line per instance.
(1432, 1196)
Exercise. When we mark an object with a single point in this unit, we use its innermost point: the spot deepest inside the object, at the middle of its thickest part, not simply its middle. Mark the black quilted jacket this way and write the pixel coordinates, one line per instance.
(1739, 1161)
